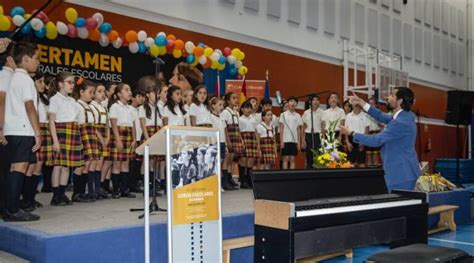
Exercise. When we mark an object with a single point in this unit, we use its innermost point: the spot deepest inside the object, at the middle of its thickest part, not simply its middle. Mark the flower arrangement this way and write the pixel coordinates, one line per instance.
(328, 156)
(433, 183)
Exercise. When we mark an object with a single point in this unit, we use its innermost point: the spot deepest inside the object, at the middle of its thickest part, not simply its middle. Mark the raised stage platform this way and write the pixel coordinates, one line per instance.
(106, 231)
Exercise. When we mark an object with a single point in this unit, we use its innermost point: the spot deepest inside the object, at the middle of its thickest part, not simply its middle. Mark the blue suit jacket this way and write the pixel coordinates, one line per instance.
(398, 146)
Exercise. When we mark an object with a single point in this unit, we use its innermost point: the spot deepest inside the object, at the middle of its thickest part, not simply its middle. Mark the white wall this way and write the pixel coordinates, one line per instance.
(430, 35)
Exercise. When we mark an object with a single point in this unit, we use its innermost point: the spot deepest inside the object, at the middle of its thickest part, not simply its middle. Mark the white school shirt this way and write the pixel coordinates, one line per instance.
(201, 113)
(373, 124)
(174, 119)
(84, 110)
(105, 103)
(22, 89)
(317, 119)
(219, 123)
(161, 107)
(265, 131)
(290, 121)
(138, 128)
(42, 111)
(100, 112)
(65, 108)
(122, 113)
(357, 122)
(247, 124)
(6, 75)
(275, 121)
(230, 116)
(333, 114)
(187, 117)
(150, 121)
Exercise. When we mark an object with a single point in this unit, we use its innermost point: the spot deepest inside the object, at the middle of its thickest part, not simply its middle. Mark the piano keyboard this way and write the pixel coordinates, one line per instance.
(304, 211)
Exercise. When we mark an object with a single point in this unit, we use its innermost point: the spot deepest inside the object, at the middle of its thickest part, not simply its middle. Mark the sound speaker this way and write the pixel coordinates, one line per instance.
(459, 109)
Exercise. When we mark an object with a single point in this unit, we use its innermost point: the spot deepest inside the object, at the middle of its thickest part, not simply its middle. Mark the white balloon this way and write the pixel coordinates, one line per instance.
(215, 56)
(218, 51)
(231, 59)
(104, 40)
(238, 64)
(149, 42)
(62, 28)
(18, 20)
(117, 43)
(99, 17)
(202, 60)
(189, 47)
(133, 47)
(36, 24)
(161, 34)
(82, 32)
(141, 35)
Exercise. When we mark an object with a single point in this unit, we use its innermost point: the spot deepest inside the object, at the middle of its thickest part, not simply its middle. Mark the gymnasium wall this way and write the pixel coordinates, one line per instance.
(292, 74)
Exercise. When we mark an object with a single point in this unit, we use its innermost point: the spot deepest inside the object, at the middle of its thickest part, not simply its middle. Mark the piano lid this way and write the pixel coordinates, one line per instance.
(300, 185)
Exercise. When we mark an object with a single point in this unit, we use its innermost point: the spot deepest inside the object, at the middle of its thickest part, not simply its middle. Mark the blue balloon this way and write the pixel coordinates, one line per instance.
(26, 29)
(141, 47)
(161, 40)
(190, 59)
(40, 33)
(105, 28)
(222, 60)
(17, 10)
(80, 22)
(233, 71)
(202, 45)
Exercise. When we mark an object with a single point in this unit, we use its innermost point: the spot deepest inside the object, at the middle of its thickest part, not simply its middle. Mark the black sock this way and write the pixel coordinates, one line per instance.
(76, 184)
(242, 174)
(47, 171)
(14, 182)
(249, 179)
(62, 189)
(34, 187)
(116, 182)
(90, 182)
(84, 181)
(106, 184)
(26, 191)
(97, 176)
(124, 182)
(55, 191)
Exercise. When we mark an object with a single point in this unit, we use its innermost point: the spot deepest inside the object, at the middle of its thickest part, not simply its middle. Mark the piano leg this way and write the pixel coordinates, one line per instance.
(416, 229)
(272, 245)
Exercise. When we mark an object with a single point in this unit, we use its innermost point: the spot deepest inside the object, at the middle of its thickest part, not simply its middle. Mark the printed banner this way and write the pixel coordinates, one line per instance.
(255, 88)
(194, 205)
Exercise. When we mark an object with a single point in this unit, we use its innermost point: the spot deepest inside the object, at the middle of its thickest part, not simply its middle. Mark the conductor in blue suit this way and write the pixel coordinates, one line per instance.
(397, 140)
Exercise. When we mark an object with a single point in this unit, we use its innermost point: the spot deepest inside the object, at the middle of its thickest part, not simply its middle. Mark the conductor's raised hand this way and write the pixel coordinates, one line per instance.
(355, 100)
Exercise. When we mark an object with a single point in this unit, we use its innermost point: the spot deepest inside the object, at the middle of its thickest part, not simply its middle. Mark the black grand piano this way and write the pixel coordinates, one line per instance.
(303, 213)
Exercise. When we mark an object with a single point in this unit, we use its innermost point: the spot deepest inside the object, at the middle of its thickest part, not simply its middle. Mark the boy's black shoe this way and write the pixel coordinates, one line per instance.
(20, 216)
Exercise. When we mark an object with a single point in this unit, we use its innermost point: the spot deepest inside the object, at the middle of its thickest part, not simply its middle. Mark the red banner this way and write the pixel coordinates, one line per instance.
(255, 88)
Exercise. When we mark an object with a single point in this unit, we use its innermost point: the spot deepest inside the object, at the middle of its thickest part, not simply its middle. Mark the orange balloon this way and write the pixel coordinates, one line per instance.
(208, 63)
(179, 44)
(171, 37)
(198, 51)
(131, 36)
(94, 34)
(113, 35)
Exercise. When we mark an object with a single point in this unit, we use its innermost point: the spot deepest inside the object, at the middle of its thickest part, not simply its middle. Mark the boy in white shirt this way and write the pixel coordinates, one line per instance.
(22, 129)
(356, 121)
(291, 134)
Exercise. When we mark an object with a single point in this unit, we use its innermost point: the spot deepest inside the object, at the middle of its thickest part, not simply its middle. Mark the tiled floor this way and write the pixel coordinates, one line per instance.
(463, 239)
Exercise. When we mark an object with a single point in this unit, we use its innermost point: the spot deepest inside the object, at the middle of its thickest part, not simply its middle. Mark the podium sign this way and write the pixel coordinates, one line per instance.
(194, 201)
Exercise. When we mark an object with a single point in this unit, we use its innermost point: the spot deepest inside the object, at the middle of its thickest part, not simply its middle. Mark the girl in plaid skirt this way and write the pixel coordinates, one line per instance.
(247, 126)
(173, 111)
(103, 137)
(84, 93)
(199, 110)
(43, 155)
(122, 144)
(266, 136)
(66, 135)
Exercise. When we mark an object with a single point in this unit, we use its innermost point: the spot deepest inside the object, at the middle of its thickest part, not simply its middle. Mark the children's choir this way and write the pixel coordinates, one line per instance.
(90, 131)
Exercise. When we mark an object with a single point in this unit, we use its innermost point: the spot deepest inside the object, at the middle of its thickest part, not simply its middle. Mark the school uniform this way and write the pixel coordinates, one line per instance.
(374, 128)
(86, 121)
(125, 120)
(332, 115)
(291, 137)
(267, 143)
(231, 119)
(220, 124)
(202, 115)
(357, 123)
(153, 123)
(275, 121)
(247, 126)
(187, 116)
(6, 75)
(101, 122)
(312, 136)
(45, 153)
(68, 131)
(21, 138)
(174, 119)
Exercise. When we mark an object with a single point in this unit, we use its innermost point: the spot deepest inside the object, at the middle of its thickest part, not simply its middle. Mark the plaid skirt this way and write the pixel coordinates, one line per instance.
(45, 153)
(250, 143)
(267, 146)
(102, 129)
(127, 139)
(71, 151)
(151, 131)
(238, 148)
(90, 144)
